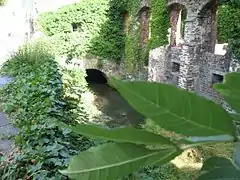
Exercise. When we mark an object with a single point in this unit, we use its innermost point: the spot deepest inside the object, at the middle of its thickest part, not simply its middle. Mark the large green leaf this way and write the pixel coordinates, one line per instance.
(112, 161)
(198, 141)
(219, 168)
(216, 162)
(225, 173)
(127, 134)
(230, 90)
(175, 109)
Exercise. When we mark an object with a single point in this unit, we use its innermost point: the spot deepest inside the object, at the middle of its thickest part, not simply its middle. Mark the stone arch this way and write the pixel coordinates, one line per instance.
(181, 2)
(178, 14)
(209, 4)
(96, 76)
(207, 21)
(144, 20)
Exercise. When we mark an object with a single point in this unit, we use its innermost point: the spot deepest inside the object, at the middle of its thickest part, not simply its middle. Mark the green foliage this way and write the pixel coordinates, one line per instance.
(157, 105)
(100, 26)
(160, 23)
(167, 171)
(230, 89)
(171, 108)
(142, 137)
(132, 59)
(2, 2)
(113, 160)
(109, 44)
(99, 29)
(136, 56)
(35, 101)
(228, 25)
(220, 168)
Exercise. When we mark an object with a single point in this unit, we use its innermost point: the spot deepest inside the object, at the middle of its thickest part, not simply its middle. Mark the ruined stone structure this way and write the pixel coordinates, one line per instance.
(193, 65)
(188, 61)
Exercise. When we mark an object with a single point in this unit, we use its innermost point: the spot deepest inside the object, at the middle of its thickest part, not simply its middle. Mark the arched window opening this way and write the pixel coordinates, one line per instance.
(126, 20)
(144, 18)
(207, 19)
(178, 15)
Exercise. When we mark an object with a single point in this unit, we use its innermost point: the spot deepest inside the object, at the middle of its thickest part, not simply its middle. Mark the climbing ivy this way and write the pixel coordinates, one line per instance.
(160, 22)
(86, 28)
(228, 25)
(132, 54)
(99, 29)
(136, 56)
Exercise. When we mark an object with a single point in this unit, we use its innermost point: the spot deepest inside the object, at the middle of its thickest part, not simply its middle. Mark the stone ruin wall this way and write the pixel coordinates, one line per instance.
(193, 65)
(195, 56)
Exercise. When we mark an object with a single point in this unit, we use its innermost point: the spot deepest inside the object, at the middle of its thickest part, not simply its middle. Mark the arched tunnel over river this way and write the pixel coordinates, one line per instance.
(110, 102)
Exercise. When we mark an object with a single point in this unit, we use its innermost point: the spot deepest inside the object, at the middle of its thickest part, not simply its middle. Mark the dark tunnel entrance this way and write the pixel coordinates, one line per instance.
(109, 101)
(95, 76)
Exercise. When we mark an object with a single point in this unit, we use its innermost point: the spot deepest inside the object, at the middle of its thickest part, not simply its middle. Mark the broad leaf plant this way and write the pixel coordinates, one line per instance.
(198, 120)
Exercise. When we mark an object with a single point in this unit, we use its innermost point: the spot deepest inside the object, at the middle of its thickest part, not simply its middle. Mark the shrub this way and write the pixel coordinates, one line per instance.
(228, 25)
(98, 28)
(35, 102)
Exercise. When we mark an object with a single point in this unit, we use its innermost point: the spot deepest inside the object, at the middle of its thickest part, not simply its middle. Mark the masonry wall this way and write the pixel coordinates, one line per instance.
(193, 66)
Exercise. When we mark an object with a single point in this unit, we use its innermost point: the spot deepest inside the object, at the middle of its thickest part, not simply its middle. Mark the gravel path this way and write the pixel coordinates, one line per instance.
(6, 129)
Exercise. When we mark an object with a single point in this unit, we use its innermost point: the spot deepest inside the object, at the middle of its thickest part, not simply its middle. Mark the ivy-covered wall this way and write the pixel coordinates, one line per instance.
(86, 28)
(101, 29)
(229, 25)
(97, 28)
(136, 56)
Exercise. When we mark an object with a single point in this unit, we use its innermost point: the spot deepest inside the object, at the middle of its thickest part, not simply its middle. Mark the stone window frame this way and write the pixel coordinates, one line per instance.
(212, 72)
(74, 27)
(172, 64)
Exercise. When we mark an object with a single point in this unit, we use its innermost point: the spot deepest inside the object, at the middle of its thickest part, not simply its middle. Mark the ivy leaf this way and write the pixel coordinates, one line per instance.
(230, 90)
(219, 168)
(127, 134)
(175, 109)
(112, 161)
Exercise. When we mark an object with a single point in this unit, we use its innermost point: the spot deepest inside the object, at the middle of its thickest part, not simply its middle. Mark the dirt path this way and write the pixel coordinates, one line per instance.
(6, 129)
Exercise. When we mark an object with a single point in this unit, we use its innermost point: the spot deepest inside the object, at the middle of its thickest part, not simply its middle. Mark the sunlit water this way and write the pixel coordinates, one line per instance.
(110, 102)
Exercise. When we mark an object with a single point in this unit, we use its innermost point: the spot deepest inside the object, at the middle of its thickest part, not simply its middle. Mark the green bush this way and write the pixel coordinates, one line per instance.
(99, 29)
(228, 25)
(35, 101)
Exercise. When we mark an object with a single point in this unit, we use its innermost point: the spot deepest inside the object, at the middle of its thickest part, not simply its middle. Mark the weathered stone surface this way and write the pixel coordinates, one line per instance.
(198, 63)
